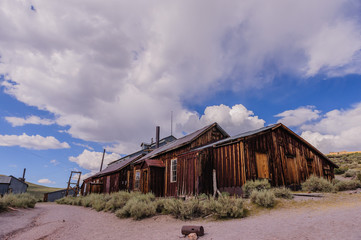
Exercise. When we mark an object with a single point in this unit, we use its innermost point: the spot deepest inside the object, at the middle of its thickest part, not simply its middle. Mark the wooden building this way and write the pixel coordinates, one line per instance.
(185, 166)
(274, 153)
(111, 179)
(161, 170)
(114, 177)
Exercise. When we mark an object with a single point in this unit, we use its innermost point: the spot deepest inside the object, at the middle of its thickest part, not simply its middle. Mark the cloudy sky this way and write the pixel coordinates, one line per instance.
(80, 76)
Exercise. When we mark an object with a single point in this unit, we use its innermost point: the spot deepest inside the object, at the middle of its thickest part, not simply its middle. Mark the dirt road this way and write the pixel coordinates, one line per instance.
(51, 221)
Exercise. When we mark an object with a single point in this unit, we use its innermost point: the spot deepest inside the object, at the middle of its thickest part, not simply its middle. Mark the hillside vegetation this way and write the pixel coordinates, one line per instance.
(349, 164)
(38, 190)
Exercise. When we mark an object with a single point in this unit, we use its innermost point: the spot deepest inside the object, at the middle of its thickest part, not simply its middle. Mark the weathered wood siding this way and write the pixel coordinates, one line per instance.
(229, 163)
(173, 188)
(287, 159)
(194, 170)
(156, 181)
(112, 182)
(186, 171)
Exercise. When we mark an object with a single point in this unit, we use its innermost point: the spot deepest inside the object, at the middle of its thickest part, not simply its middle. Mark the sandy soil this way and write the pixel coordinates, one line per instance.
(332, 218)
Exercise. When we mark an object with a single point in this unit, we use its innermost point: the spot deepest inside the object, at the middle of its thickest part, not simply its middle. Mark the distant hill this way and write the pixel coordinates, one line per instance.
(39, 190)
(346, 161)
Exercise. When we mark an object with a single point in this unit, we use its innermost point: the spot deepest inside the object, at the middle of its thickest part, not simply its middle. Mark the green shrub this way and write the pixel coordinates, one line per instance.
(282, 193)
(264, 198)
(249, 186)
(316, 184)
(347, 185)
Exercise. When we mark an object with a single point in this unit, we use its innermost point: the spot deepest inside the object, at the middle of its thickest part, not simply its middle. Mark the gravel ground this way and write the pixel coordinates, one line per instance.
(337, 218)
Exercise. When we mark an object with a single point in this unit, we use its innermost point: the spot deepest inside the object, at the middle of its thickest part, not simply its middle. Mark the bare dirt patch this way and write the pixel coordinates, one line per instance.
(336, 216)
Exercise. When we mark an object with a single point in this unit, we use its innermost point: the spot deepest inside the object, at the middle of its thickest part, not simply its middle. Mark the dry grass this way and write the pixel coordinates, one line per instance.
(23, 200)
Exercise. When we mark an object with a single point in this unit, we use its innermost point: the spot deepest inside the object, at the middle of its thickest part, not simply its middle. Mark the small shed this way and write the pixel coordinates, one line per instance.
(10, 184)
(52, 196)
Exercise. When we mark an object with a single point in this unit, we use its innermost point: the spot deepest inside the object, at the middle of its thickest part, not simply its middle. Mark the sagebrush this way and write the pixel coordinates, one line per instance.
(282, 192)
(264, 198)
(347, 185)
(137, 205)
(317, 184)
(249, 186)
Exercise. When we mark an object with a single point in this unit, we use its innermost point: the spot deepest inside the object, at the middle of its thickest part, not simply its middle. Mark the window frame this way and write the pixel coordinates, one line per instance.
(136, 181)
(173, 172)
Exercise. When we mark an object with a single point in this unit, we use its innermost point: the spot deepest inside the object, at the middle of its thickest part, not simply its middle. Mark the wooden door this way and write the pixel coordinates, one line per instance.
(292, 170)
(262, 165)
(145, 181)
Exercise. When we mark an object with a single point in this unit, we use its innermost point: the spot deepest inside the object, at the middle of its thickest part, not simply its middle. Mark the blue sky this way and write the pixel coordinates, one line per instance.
(77, 77)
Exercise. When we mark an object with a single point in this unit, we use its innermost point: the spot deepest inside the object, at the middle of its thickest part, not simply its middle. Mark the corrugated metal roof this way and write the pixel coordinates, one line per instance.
(180, 142)
(5, 179)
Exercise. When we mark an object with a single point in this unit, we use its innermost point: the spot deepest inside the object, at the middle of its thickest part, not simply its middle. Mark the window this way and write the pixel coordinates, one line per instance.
(137, 179)
(173, 170)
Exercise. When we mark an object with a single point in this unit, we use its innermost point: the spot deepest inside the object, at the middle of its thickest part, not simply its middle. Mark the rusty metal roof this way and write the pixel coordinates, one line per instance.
(116, 166)
(5, 179)
(181, 142)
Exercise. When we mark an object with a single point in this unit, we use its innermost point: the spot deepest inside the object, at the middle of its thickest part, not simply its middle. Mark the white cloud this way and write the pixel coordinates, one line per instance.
(336, 130)
(54, 162)
(36, 142)
(45, 181)
(233, 120)
(92, 160)
(298, 116)
(83, 145)
(111, 72)
(16, 121)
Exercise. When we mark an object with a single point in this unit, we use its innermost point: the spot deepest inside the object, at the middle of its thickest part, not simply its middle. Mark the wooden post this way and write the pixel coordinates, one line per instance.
(215, 189)
(214, 183)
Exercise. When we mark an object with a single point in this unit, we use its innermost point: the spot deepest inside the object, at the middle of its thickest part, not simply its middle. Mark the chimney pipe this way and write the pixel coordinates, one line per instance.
(157, 137)
(23, 179)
